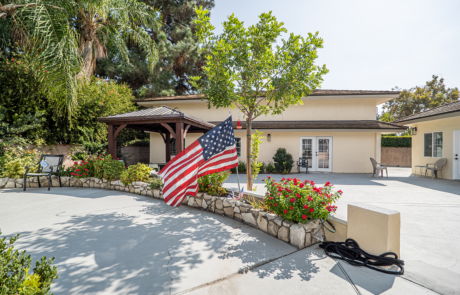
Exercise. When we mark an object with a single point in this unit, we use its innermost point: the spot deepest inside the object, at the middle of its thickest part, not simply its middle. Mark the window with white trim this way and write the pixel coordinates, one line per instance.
(238, 146)
(432, 144)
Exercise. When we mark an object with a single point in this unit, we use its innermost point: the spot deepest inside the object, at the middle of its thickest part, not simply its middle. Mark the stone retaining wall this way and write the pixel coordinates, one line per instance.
(296, 234)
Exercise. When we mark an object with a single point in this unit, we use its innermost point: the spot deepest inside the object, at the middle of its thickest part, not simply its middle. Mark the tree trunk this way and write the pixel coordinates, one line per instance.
(88, 67)
(248, 152)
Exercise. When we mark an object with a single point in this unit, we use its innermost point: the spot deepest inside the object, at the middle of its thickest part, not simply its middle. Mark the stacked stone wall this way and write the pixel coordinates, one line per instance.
(296, 234)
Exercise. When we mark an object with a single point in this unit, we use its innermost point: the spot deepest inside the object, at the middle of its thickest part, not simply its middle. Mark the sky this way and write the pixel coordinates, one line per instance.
(368, 45)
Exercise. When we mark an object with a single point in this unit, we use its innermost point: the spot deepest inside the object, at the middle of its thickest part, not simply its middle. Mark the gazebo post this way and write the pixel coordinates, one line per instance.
(168, 146)
(179, 137)
(112, 147)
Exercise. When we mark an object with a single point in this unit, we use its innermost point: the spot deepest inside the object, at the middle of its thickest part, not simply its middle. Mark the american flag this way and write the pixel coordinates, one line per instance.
(213, 152)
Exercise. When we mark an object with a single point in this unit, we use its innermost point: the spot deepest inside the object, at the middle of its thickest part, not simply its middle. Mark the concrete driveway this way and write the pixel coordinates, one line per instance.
(430, 217)
(108, 242)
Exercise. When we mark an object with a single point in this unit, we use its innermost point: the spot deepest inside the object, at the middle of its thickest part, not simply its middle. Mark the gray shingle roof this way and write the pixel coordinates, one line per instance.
(326, 124)
(158, 111)
(441, 110)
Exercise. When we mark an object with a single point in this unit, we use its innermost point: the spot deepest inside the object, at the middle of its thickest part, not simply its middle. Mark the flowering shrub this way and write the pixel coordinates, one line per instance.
(299, 201)
(15, 158)
(212, 183)
(138, 172)
(100, 166)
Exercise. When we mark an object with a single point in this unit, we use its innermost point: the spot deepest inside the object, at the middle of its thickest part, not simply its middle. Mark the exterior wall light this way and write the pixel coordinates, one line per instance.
(414, 130)
(269, 137)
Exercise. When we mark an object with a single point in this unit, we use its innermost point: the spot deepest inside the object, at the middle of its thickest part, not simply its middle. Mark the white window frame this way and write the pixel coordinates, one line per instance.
(432, 144)
(241, 143)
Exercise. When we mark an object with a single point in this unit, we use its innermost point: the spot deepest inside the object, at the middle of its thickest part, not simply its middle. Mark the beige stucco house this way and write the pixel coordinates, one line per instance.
(435, 135)
(336, 129)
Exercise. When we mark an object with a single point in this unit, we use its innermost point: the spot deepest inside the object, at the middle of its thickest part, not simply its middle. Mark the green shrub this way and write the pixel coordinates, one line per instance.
(300, 201)
(112, 169)
(283, 160)
(396, 141)
(241, 167)
(14, 271)
(15, 158)
(138, 172)
(155, 183)
(271, 168)
(212, 183)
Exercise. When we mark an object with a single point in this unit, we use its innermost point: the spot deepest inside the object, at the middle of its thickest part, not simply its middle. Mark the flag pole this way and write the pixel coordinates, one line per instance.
(237, 174)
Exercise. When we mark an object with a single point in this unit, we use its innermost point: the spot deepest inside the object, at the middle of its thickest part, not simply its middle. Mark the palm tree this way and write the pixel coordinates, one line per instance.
(68, 36)
(112, 21)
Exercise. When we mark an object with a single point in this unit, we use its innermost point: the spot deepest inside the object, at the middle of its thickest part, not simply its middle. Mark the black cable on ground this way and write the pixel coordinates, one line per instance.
(354, 255)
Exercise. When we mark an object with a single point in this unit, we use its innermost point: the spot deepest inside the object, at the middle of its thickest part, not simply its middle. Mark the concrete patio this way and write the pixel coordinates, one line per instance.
(109, 242)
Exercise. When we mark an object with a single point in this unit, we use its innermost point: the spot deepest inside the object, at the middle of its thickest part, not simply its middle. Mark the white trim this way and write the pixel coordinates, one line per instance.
(324, 130)
(432, 144)
(456, 148)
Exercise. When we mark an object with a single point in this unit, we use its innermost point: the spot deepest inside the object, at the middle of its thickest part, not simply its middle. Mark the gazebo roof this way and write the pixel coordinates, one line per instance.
(157, 115)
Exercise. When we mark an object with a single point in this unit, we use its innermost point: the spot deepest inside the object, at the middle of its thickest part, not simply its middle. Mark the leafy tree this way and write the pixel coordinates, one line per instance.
(68, 36)
(178, 50)
(419, 98)
(246, 70)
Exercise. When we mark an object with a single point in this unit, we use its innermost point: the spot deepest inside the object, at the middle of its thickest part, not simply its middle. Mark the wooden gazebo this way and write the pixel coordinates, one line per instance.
(169, 122)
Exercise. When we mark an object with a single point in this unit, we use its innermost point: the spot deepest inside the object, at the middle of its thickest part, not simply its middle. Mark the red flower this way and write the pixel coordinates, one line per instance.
(327, 183)
(269, 177)
(282, 179)
(292, 200)
(271, 198)
(75, 163)
(86, 163)
(340, 191)
(304, 216)
(311, 210)
(285, 211)
(71, 173)
(276, 204)
(301, 185)
(78, 170)
(291, 208)
(263, 179)
(298, 195)
(289, 179)
(312, 182)
(280, 189)
(324, 203)
(310, 199)
(305, 206)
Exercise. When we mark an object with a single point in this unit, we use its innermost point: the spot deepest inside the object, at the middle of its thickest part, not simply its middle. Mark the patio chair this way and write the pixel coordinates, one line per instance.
(378, 167)
(47, 165)
(436, 167)
(302, 163)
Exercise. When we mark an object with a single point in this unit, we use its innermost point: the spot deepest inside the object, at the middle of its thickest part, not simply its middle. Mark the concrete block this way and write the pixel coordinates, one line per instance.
(375, 229)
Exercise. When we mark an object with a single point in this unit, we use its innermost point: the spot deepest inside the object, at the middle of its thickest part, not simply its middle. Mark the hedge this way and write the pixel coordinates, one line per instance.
(396, 141)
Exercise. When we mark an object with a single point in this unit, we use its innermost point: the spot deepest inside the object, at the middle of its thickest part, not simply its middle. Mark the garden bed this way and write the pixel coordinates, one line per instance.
(299, 235)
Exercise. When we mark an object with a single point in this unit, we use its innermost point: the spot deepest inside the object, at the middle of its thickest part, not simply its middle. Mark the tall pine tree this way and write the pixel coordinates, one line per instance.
(179, 57)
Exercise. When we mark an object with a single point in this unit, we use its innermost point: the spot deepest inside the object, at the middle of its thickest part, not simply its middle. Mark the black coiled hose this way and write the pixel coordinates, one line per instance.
(354, 255)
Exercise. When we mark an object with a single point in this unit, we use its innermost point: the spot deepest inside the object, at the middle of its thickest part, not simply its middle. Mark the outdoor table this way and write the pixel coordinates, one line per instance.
(419, 166)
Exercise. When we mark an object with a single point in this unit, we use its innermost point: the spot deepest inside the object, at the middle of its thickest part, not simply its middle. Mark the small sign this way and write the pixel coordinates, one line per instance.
(44, 164)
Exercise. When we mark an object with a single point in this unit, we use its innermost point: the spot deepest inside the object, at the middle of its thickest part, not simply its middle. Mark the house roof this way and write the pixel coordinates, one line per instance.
(317, 92)
(437, 111)
(158, 115)
(326, 124)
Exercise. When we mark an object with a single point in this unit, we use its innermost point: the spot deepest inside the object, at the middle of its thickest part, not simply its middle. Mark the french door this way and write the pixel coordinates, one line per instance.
(456, 161)
(318, 151)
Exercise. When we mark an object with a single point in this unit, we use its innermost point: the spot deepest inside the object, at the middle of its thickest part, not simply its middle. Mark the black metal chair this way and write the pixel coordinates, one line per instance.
(46, 167)
(302, 163)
